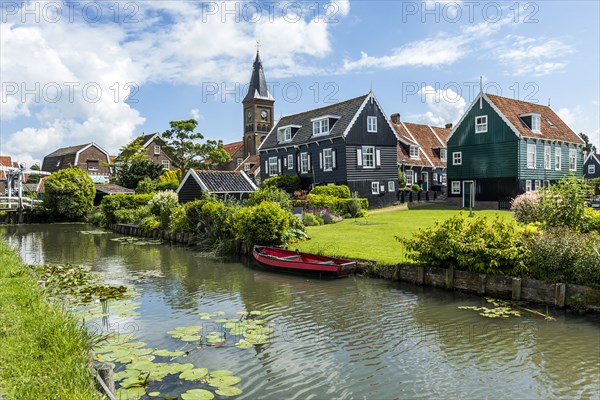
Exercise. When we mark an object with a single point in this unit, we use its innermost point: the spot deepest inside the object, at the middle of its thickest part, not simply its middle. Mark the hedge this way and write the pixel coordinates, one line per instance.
(339, 206)
(115, 202)
(339, 191)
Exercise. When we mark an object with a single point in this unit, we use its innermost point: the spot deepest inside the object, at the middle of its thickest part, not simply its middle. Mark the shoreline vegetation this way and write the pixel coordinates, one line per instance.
(43, 348)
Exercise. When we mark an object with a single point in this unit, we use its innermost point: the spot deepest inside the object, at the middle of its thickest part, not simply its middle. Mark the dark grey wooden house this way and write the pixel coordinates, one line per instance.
(196, 183)
(591, 166)
(350, 143)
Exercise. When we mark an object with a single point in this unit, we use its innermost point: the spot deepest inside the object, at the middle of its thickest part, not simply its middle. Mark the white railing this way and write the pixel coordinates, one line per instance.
(13, 202)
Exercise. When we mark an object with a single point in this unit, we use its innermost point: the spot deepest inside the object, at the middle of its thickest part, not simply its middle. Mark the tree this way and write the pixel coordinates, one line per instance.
(34, 178)
(133, 151)
(589, 147)
(69, 193)
(401, 179)
(187, 151)
(132, 172)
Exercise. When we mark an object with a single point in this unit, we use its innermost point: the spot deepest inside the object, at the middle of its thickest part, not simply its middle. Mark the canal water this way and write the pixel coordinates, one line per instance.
(352, 338)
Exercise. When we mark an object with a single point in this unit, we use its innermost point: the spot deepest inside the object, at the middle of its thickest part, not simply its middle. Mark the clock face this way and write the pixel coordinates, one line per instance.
(263, 114)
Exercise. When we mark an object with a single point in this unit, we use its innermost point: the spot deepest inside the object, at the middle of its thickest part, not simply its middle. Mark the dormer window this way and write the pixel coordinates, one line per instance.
(285, 133)
(535, 122)
(414, 151)
(371, 124)
(481, 124)
(322, 125)
(157, 150)
(443, 154)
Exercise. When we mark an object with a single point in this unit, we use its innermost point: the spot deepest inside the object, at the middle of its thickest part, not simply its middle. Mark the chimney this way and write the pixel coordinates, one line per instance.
(449, 125)
(220, 143)
(396, 118)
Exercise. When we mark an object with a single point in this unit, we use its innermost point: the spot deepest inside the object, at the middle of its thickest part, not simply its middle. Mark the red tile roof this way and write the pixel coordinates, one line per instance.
(511, 109)
(428, 138)
(6, 161)
(254, 161)
(232, 148)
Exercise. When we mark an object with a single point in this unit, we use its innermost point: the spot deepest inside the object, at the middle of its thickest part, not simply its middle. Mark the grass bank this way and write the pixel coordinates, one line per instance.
(373, 238)
(43, 350)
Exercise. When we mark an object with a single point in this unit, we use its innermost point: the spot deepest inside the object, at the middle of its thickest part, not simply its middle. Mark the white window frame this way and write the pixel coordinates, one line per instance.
(572, 160)
(444, 180)
(273, 166)
(374, 187)
(528, 185)
(391, 186)
(547, 157)
(247, 167)
(409, 177)
(327, 160)
(156, 150)
(166, 164)
(537, 184)
(321, 127)
(557, 158)
(455, 187)
(531, 155)
(591, 169)
(444, 155)
(414, 151)
(536, 123)
(304, 163)
(366, 156)
(371, 124)
(239, 161)
(481, 124)
(457, 158)
(290, 161)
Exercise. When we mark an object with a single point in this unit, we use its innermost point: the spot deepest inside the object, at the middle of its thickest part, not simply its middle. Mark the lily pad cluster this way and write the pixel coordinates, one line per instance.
(136, 240)
(77, 282)
(501, 309)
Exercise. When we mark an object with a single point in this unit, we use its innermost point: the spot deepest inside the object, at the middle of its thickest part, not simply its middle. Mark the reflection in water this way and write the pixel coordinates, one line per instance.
(346, 338)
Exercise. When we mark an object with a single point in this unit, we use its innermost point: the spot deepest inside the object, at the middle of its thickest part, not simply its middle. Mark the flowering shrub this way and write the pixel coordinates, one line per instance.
(526, 207)
(161, 205)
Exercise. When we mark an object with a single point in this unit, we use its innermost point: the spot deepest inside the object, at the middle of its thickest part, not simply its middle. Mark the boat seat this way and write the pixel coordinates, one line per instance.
(290, 257)
(327, 263)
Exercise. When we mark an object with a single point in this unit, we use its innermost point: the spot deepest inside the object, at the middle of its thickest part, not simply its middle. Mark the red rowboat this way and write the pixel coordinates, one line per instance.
(304, 262)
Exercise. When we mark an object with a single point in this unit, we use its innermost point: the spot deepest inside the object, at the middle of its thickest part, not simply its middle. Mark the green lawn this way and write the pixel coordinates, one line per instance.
(373, 238)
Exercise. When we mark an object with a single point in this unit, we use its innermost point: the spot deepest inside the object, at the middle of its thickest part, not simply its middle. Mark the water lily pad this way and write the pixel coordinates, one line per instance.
(228, 391)
(132, 393)
(229, 380)
(154, 394)
(220, 372)
(141, 365)
(194, 374)
(168, 353)
(197, 394)
(191, 338)
(126, 373)
(244, 344)
(220, 321)
(185, 331)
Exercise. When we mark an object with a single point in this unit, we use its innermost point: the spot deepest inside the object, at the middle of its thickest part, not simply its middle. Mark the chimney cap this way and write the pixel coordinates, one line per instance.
(395, 118)
(449, 125)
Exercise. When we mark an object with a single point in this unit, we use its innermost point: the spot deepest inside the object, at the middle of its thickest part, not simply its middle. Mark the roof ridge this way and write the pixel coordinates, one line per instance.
(325, 107)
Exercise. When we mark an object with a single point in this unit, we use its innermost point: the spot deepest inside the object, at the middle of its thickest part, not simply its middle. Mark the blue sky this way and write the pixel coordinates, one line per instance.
(66, 68)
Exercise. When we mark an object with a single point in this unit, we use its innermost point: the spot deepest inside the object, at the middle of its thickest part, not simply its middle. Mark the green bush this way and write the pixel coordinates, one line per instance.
(179, 221)
(415, 187)
(339, 191)
(478, 245)
(591, 220)
(69, 193)
(352, 206)
(115, 202)
(271, 194)
(150, 223)
(289, 183)
(170, 176)
(146, 185)
(266, 224)
(165, 186)
(594, 183)
(564, 204)
(309, 219)
(526, 207)
(562, 255)
(317, 201)
(125, 216)
(161, 205)
(215, 219)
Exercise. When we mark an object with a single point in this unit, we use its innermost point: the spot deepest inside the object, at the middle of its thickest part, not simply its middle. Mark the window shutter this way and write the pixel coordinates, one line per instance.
(279, 165)
(320, 160)
(285, 161)
(378, 157)
(266, 167)
(309, 163)
(298, 163)
(333, 159)
(359, 157)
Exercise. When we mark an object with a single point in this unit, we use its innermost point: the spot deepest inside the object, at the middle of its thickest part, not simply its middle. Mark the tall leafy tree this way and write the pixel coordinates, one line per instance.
(69, 193)
(132, 172)
(589, 146)
(186, 148)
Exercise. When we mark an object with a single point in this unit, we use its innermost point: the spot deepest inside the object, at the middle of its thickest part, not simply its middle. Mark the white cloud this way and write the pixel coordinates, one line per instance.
(445, 105)
(533, 57)
(570, 116)
(195, 113)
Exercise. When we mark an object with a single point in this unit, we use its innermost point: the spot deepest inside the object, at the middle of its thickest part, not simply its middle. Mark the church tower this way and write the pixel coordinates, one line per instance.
(258, 110)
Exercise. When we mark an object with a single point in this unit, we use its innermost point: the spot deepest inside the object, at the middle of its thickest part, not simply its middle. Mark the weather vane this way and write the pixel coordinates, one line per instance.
(257, 45)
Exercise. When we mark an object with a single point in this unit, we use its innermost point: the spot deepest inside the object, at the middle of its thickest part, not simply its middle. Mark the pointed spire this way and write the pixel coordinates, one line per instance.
(258, 84)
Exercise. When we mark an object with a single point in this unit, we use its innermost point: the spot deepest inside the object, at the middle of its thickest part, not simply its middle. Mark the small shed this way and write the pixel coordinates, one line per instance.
(221, 183)
(107, 189)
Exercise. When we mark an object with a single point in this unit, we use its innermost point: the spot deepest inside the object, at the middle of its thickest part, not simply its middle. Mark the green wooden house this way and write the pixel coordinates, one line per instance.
(504, 147)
